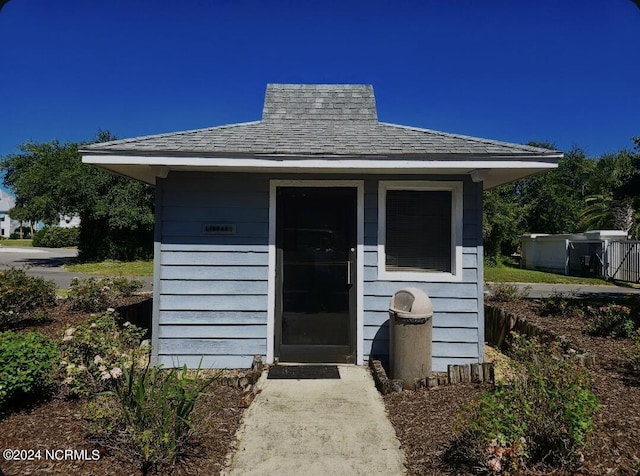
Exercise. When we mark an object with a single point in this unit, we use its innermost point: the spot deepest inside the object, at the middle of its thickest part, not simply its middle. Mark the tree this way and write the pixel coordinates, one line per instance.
(116, 213)
(502, 222)
(36, 177)
(616, 198)
(550, 202)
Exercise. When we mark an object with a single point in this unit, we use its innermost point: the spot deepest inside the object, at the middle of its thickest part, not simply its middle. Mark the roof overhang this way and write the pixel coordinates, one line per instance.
(492, 171)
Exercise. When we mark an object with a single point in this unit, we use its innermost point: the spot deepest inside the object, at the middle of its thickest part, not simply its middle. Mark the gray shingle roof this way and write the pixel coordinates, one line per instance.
(317, 121)
(319, 102)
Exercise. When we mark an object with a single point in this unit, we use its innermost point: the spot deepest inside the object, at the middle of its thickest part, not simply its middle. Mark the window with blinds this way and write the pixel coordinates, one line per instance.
(418, 230)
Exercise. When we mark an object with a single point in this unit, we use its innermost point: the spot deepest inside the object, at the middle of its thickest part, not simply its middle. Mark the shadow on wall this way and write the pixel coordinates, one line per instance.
(139, 314)
(380, 346)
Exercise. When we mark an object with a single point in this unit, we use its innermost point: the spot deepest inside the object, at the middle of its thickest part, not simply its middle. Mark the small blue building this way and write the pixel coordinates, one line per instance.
(287, 236)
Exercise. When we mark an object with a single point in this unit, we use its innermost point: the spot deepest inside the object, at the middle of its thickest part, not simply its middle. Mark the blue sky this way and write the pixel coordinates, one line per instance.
(562, 71)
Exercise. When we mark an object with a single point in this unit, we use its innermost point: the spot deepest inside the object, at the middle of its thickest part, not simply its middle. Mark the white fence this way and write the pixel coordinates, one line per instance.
(623, 261)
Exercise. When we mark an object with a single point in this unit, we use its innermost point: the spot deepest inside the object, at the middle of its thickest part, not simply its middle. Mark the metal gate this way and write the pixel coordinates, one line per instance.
(623, 261)
(585, 258)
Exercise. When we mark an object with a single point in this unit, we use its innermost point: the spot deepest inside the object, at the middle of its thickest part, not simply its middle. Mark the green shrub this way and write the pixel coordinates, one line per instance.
(24, 297)
(149, 413)
(541, 418)
(56, 237)
(26, 234)
(506, 292)
(96, 351)
(93, 295)
(612, 320)
(28, 362)
(561, 305)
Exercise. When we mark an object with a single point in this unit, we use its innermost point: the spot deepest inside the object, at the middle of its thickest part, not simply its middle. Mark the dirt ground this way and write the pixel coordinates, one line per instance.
(425, 420)
(58, 424)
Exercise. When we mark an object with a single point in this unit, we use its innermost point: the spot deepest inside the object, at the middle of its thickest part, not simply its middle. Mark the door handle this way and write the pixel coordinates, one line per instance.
(349, 261)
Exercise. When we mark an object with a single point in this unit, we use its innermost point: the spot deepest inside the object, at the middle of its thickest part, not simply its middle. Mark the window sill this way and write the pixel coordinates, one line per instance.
(426, 277)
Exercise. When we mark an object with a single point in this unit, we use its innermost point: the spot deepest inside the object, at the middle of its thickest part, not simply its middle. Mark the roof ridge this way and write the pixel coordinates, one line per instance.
(471, 138)
(319, 85)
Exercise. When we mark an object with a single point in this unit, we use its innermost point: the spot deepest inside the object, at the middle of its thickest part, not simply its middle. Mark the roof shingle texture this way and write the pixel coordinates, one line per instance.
(317, 120)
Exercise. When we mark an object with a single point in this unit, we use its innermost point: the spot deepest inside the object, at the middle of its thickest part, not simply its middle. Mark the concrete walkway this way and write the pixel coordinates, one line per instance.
(318, 427)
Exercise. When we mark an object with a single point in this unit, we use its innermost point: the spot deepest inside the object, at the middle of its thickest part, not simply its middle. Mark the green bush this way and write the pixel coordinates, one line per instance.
(149, 413)
(93, 295)
(56, 237)
(24, 297)
(95, 352)
(612, 320)
(26, 234)
(103, 239)
(28, 362)
(542, 418)
(560, 304)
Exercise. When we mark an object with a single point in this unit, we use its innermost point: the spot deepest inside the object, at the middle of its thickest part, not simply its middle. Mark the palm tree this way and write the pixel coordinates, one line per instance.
(597, 214)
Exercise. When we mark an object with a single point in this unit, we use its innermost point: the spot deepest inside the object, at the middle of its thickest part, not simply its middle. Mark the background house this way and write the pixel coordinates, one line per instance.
(287, 237)
(7, 225)
(604, 254)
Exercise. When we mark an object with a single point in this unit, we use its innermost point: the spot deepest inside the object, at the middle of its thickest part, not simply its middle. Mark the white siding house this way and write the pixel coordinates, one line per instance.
(287, 237)
(7, 225)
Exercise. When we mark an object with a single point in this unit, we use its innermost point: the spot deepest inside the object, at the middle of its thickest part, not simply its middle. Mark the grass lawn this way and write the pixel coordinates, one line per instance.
(15, 243)
(125, 268)
(497, 274)
(509, 274)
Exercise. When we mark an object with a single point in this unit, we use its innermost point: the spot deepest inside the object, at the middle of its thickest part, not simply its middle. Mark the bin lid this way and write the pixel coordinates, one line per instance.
(411, 303)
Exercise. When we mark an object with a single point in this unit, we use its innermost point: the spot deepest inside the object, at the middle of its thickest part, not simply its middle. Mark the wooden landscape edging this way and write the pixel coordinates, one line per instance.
(498, 324)
(470, 373)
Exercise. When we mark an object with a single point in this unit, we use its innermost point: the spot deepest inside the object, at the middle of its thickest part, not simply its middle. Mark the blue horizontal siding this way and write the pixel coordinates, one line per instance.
(215, 303)
(208, 287)
(213, 332)
(218, 361)
(449, 304)
(433, 290)
(213, 318)
(198, 346)
(214, 273)
(214, 258)
(213, 289)
(440, 319)
(440, 334)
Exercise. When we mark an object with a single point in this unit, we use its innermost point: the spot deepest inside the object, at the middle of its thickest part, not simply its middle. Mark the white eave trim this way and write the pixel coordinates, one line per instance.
(541, 163)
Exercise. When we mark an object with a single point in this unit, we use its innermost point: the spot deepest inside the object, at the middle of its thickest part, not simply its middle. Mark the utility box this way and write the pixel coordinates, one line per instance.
(410, 327)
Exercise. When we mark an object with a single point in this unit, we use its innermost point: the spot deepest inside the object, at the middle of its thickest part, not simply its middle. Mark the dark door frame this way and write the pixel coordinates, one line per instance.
(358, 271)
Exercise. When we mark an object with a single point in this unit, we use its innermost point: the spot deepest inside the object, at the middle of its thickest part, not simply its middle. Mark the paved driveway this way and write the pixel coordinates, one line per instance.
(537, 291)
(47, 262)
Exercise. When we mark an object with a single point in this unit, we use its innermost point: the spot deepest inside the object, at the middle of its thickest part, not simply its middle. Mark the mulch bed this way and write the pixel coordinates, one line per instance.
(424, 421)
(58, 424)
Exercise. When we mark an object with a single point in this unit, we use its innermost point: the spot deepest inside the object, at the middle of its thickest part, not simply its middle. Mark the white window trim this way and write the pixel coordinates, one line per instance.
(456, 189)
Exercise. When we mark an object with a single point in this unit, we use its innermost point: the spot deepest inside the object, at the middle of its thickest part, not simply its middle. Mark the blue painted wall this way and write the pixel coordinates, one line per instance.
(211, 291)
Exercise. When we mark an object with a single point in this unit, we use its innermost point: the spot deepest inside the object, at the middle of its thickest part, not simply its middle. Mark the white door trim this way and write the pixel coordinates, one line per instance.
(271, 294)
